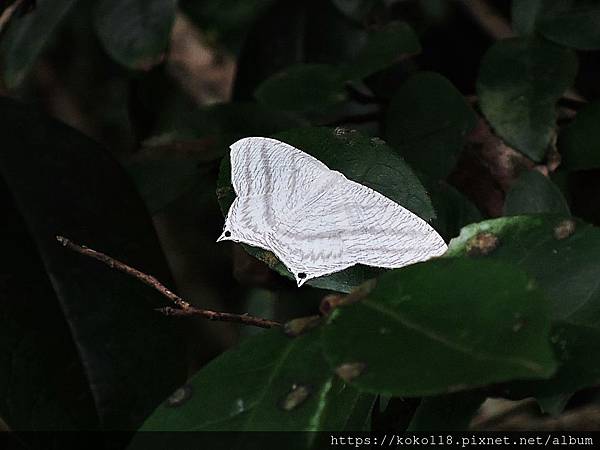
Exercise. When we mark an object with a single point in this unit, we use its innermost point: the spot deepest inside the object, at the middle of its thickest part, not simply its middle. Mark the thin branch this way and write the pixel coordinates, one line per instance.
(185, 309)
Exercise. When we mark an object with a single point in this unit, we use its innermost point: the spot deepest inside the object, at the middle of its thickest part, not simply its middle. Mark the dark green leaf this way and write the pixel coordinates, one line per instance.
(64, 183)
(27, 36)
(135, 32)
(524, 15)
(364, 160)
(555, 404)
(576, 347)
(441, 326)
(579, 142)
(270, 382)
(446, 413)
(572, 23)
(306, 88)
(427, 121)
(226, 21)
(453, 210)
(383, 48)
(519, 82)
(533, 193)
(356, 9)
(559, 253)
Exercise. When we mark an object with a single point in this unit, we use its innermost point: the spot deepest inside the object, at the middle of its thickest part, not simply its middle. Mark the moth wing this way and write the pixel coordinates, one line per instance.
(310, 241)
(261, 166)
(387, 234)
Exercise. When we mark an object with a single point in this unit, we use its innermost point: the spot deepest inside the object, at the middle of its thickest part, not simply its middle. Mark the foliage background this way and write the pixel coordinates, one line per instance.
(479, 116)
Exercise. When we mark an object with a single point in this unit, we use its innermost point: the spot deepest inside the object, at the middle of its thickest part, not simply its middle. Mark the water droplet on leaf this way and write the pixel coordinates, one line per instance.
(349, 371)
(297, 395)
(180, 396)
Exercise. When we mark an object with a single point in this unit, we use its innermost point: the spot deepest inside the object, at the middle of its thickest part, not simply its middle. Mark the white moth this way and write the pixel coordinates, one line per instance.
(314, 219)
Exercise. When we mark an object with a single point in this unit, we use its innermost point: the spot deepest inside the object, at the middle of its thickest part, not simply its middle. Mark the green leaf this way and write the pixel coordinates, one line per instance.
(453, 209)
(27, 36)
(571, 23)
(364, 160)
(519, 82)
(576, 347)
(305, 88)
(533, 193)
(270, 382)
(135, 33)
(356, 9)
(554, 404)
(524, 15)
(446, 413)
(383, 48)
(64, 183)
(442, 326)
(579, 142)
(559, 253)
(427, 121)
(226, 21)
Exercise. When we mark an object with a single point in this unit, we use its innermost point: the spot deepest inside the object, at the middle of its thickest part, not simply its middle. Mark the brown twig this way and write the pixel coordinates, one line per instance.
(184, 308)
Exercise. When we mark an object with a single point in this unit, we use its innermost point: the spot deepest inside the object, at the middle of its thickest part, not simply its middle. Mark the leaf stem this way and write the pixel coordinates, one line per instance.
(183, 307)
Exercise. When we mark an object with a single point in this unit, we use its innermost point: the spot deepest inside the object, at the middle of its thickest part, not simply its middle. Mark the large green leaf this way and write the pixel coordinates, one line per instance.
(135, 32)
(306, 88)
(27, 36)
(442, 326)
(270, 382)
(364, 160)
(383, 48)
(427, 121)
(519, 82)
(560, 253)
(579, 142)
(533, 193)
(64, 183)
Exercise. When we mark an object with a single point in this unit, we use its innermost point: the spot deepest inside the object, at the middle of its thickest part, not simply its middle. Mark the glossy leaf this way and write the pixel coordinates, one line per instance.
(561, 255)
(355, 9)
(534, 193)
(427, 121)
(383, 48)
(27, 36)
(270, 382)
(519, 82)
(579, 142)
(135, 32)
(568, 249)
(303, 88)
(361, 159)
(442, 326)
(64, 183)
